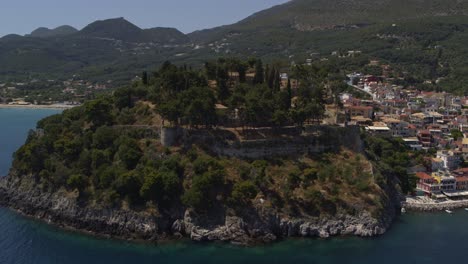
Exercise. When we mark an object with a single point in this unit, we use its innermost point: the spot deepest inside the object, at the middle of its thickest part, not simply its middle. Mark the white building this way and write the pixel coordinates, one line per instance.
(450, 160)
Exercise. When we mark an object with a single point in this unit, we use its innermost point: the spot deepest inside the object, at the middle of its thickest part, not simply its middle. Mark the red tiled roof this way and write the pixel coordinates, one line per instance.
(462, 179)
(423, 176)
(361, 107)
(462, 171)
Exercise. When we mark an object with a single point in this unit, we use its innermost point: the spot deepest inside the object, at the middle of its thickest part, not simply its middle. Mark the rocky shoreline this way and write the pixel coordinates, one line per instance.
(63, 210)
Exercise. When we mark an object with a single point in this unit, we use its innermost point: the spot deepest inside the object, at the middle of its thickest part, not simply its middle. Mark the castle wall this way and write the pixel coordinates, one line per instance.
(313, 140)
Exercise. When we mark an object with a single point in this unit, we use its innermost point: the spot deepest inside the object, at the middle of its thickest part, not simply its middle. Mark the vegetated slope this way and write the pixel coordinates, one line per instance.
(422, 39)
(111, 49)
(118, 28)
(121, 29)
(319, 14)
(43, 32)
(309, 15)
(101, 167)
(166, 35)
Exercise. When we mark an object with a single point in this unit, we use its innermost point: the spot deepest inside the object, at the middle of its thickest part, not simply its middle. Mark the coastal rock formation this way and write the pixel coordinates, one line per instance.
(259, 226)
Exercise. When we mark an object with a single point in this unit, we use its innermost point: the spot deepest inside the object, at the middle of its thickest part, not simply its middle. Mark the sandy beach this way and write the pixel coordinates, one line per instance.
(54, 106)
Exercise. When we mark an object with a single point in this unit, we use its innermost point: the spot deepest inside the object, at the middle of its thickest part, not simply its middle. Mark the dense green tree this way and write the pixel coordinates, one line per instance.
(129, 185)
(99, 158)
(211, 70)
(204, 190)
(242, 70)
(129, 153)
(222, 78)
(456, 134)
(104, 137)
(170, 110)
(243, 192)
(99, 112)
(199, 106)
(123, 98)
(145, 78)
(259, 77)
(277, 81)
(163, 187)
(78, 182)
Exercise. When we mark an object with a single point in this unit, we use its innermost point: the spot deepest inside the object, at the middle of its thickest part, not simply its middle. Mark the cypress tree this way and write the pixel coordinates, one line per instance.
(277, 81)
(144, 78)
(222, 78)
(267, 75)
(241, 69)
(271, 78)
(259, 72)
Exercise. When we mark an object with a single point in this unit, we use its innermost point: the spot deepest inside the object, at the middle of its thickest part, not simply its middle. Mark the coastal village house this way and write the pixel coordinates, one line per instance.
(425, 137)
(465, 147)
(424, 121)
(363, 111)
(450, 159)
(397, 127)
(442, 184)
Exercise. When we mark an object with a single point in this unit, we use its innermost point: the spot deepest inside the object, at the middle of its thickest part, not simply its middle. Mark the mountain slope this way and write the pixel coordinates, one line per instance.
(117, 28)
(43, 32)
(121, 29)
(402, 33)
(166, 35)
(309, 15)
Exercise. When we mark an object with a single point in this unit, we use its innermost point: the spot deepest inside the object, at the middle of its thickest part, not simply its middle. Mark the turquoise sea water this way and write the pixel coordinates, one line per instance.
(414, 238)
(14, 127)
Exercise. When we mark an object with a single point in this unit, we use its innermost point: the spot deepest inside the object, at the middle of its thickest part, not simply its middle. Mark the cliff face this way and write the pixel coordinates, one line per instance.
(256, 225)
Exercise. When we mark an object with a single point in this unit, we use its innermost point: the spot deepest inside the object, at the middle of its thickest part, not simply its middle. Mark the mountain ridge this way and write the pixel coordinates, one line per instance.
(398, 32)
(312, 15)
(44, 32)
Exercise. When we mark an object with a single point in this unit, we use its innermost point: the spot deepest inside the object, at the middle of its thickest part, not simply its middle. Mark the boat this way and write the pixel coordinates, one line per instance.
(466, 209)
(403, 210)
(449, 212)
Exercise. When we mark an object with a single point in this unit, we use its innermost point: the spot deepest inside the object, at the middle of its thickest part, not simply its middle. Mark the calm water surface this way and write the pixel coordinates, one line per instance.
(415, 238)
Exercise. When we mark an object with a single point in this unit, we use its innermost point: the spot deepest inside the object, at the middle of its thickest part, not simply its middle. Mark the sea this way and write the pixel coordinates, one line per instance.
(414, 237)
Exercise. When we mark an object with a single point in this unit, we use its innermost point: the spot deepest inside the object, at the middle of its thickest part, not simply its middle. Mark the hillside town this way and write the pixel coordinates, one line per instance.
(433, 123)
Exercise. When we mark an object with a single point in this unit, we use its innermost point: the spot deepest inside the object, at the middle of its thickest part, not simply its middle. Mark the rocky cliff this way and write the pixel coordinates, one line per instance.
(257, 225)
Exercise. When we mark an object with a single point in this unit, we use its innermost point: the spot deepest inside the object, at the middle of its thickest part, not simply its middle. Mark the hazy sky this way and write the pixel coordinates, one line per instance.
(23, 16)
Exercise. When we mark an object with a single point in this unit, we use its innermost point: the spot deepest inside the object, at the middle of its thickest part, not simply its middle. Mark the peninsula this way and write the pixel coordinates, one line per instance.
(234, 152)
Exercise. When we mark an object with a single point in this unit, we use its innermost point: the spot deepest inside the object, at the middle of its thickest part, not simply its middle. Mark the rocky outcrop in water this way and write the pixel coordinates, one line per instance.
(259, 226)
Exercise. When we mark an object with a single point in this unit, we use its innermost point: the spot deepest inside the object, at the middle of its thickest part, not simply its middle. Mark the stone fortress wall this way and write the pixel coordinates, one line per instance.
(285, 142)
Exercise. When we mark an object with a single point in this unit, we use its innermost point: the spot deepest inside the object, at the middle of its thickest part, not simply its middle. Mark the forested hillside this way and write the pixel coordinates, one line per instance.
(423, 40)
